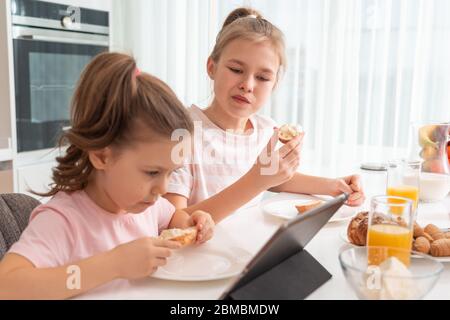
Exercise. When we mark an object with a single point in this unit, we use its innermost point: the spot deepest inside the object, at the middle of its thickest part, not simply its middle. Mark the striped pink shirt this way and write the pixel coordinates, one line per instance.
(220, 157)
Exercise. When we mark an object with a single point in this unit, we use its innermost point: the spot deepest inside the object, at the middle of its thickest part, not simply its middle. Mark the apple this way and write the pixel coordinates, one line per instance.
(426, 135)
(435, 166)
(428, 152)
(439, 133)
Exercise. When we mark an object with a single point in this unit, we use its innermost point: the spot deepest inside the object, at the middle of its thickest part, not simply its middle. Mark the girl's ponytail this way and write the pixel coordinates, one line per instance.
(241, 13)
(111, 100)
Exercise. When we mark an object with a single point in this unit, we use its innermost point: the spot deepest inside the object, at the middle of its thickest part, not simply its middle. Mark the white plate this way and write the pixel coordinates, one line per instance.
(343, 237)
(285, 209)
(203, 263)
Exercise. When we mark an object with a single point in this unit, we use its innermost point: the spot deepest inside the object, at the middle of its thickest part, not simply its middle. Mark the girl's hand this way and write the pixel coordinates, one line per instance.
(274, 167)
(352, 186)
(142, 257)
(205, 225)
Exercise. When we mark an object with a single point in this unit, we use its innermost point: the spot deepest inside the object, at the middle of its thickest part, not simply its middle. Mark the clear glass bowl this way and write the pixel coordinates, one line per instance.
(389, 280)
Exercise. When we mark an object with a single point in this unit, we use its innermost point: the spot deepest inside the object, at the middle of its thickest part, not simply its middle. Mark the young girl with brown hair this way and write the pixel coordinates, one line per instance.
(246, 63)
(106, 211)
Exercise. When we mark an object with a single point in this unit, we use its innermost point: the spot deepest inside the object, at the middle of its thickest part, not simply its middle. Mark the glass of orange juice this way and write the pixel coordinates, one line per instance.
(391, 225)
(403, 180)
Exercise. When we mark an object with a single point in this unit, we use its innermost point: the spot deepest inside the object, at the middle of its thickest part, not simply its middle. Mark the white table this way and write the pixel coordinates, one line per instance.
(250, 228)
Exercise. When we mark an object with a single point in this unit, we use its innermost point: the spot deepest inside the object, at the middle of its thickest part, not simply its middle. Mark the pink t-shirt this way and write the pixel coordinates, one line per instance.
(71, 227)
(220, 158)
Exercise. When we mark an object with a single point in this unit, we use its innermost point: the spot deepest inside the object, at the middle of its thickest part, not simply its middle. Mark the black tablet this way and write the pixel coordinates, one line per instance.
(289, 240)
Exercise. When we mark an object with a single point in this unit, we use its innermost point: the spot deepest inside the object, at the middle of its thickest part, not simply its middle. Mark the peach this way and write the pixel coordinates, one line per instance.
(428, 153)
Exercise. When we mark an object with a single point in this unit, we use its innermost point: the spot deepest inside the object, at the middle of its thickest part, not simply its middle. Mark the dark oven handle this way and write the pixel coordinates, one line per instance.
(27, 33)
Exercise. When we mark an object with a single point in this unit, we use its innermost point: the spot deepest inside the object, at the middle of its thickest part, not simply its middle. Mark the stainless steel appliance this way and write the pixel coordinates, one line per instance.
(52, 44)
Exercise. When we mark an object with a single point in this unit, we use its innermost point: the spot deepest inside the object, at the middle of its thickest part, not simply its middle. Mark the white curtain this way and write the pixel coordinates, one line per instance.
(359, 71)
(170, 39)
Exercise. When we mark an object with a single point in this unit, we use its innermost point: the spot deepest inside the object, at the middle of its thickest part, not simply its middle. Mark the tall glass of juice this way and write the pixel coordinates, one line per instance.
(403, 180)
(391, 225)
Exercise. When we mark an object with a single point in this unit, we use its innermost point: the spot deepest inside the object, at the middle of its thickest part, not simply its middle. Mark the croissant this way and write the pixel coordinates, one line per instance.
(440, 248)
(357, 228)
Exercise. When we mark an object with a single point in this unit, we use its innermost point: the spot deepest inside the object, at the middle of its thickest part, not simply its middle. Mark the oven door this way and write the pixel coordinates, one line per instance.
(47, 65)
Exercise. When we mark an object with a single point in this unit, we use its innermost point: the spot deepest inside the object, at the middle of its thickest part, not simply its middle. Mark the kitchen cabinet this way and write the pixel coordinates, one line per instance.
(20, 171)
(104, 5)
(6, 86)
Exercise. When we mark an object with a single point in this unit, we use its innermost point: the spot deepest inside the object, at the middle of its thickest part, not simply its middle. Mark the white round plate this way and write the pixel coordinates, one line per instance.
(285, 209)
(202, 264)
(343, 237)
(345, 213)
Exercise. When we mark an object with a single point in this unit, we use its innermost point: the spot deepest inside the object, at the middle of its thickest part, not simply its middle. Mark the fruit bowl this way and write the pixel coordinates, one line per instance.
(391, 280)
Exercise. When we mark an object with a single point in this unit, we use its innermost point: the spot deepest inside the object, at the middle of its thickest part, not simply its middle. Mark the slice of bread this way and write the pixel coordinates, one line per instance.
(302, 208)
(183, 236)
(287, 132)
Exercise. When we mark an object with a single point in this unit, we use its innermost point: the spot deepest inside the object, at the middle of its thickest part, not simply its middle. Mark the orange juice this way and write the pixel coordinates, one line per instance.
(392, 236)
(405, 191)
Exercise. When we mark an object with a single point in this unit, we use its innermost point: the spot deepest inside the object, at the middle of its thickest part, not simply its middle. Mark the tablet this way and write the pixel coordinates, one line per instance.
(290, 238)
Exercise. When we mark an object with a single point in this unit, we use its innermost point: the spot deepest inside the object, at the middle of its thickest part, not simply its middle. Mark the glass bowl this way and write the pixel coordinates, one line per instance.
(392, 280)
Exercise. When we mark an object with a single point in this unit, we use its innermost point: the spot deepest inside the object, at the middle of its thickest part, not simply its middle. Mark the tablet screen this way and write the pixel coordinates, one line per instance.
(290, 238)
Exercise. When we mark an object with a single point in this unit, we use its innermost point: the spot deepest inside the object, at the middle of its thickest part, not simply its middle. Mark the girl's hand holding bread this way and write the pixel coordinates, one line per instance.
(204, 224)
(274, 167)
(142, 257)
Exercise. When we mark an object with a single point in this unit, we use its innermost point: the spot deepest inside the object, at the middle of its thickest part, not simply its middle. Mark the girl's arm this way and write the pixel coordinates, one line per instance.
(201, 219)
(20, 279)
(179, 201)
(280, 168)
(231, 198)
(226, 201)
(180, 219)
(301, 183)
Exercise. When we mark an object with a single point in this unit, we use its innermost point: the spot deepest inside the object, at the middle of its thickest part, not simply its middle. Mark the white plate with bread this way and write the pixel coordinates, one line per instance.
(203, 263)
(291, 208)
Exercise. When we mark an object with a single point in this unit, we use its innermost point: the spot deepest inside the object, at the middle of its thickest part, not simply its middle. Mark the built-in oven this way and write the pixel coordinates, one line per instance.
(52, 44)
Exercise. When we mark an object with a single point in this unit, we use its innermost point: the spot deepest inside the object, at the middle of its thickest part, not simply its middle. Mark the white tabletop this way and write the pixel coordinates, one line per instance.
(250, 229)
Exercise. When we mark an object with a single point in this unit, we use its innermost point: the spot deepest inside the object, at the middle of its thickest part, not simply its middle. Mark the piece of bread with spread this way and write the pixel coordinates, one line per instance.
(302, 208)
(183, 236)
(287, 132)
